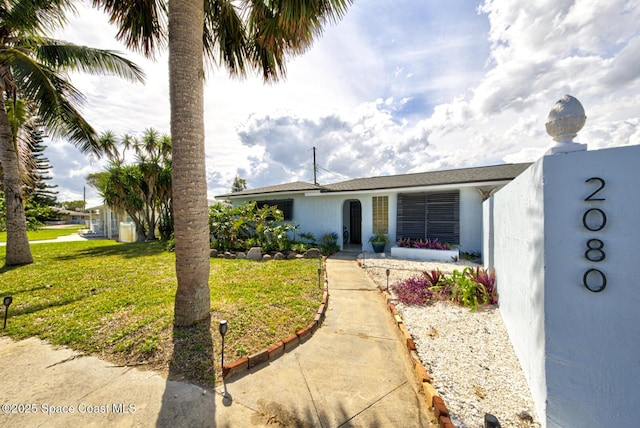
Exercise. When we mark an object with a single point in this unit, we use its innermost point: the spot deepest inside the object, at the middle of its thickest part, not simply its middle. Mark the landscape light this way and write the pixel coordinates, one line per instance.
(319, 274)
(491, 421)
(388, 272)
(222, 328)
(6, 302)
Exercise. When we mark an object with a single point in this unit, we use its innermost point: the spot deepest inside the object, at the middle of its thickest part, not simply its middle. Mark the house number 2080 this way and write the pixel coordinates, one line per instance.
(594, 220)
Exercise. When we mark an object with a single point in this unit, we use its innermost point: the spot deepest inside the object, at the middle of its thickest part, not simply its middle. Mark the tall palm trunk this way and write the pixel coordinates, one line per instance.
(186, 86)
(18, 251)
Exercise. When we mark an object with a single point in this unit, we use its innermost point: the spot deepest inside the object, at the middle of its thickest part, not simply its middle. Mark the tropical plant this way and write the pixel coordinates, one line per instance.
(472, 288)
(379, 238)
(141, 188)
(245, 226)
(32, 68)
(241, 35)
(430, 244)
(415, 290)
(433, 277)
(329, 239)
(487, 280)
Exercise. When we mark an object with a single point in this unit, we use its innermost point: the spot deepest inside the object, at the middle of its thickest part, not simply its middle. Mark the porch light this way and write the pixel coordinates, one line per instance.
(222, 328)
(6, 302)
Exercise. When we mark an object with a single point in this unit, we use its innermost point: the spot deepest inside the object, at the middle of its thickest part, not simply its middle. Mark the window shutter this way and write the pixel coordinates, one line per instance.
(429, 216)
(443, 216)
(411, 219)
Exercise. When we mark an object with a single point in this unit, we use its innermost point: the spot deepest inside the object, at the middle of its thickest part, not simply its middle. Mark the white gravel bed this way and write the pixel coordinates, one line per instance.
(468, 354)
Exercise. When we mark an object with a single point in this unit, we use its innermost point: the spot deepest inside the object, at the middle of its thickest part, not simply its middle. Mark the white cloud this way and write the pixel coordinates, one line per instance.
(398, 87)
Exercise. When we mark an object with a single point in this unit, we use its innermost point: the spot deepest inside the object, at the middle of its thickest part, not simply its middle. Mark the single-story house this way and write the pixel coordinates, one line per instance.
(440, 204)
(69, 216)
(111, 224)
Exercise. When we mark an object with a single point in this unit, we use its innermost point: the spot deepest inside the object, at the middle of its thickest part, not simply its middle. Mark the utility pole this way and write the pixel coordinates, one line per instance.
(315, 167)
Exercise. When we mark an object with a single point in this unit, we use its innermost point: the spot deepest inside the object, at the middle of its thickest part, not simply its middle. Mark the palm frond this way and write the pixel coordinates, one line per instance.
(35, 16)
(141, 24)
(225, 41)
(286, 27)
(70, 57)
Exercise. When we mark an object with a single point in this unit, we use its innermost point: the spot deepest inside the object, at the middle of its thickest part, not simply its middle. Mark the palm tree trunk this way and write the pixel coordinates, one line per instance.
(18, 251)
(186, 86)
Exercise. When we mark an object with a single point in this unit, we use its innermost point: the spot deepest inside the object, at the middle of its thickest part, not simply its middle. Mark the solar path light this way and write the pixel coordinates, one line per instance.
(388, 272)
(6, 302)
(222, 328)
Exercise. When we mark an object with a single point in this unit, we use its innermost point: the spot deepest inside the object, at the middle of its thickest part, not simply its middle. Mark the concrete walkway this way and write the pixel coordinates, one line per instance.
(353, 372)
(65, 238)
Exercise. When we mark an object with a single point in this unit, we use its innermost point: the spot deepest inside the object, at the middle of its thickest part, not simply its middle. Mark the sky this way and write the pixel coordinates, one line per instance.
(396, 86)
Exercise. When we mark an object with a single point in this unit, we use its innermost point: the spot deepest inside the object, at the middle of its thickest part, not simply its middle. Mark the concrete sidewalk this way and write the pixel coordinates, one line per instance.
(354, 371)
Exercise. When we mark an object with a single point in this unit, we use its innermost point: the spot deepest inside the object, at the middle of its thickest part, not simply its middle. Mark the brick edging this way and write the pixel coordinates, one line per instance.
(432, 397)
(261, 358)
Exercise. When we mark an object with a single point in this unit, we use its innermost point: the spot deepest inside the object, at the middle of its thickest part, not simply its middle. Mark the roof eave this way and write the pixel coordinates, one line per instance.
(399, 189)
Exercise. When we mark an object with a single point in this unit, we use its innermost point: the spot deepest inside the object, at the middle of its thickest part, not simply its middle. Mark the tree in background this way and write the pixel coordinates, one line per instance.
(72, 205)
(27, 138)
(141, 188)
(40, 192)
(241, 36)
(32, 68)
(239, 184)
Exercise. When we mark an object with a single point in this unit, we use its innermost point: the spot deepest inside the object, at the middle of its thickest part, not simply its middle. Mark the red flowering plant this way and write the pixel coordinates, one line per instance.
(429, 244)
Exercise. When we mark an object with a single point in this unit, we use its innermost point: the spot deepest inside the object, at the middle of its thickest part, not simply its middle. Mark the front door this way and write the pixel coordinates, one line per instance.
(355, 222)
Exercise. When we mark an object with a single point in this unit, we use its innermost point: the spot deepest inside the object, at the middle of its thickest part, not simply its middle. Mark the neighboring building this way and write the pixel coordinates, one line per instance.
(441, 204)
(70, 217)
(111, 224)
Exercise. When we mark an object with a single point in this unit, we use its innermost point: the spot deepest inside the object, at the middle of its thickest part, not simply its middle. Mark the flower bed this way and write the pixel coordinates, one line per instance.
(425, 254)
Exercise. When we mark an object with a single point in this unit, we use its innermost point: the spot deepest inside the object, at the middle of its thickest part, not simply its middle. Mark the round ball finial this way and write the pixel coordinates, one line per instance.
(565, 119)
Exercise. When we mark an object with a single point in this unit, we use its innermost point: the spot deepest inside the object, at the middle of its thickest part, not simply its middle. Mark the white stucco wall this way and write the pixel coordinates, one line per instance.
(593, 339)
(519, 263)
(580, 350)
(319, 214)
(470, 220)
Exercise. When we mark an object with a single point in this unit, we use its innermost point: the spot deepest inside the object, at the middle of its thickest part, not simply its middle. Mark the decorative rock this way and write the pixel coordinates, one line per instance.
(227, 255)
(241, 255)
(255, 253)
(266, 257)
(213, 253)
(291, 255)
(279, 256)
(312, 253)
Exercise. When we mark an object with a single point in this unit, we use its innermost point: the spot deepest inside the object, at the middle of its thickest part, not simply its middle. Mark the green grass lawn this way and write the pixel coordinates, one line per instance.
(47, 233)
(116, 301)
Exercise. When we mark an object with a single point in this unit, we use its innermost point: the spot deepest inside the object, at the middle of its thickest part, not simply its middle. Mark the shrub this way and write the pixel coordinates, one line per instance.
(430, 244)
(472, 288)
(413, 291)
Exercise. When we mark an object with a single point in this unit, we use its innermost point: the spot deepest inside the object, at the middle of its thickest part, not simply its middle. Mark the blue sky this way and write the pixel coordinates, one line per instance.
(395, 87)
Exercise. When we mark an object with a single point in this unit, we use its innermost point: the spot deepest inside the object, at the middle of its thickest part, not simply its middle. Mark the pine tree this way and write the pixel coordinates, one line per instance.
(239, 184)
(39, 192)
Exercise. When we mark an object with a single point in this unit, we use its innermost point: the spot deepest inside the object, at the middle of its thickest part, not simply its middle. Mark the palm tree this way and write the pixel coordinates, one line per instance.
(142, 188)
(32, 67)
(241, 36)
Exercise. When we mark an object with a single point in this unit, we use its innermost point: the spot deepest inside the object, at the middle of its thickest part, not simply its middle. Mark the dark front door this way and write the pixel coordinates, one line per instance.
(355, 222)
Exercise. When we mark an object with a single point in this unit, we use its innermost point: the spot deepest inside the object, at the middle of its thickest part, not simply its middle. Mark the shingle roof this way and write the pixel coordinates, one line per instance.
(296, 186)
(481, 174)
(433, 178)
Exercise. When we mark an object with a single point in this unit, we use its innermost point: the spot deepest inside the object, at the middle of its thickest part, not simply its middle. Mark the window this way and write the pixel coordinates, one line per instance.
(380, 214)
(284, 205)
(429, 215)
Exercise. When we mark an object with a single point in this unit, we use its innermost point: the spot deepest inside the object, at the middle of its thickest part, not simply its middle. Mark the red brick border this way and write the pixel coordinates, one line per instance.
(287, 344)
(431, 396)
